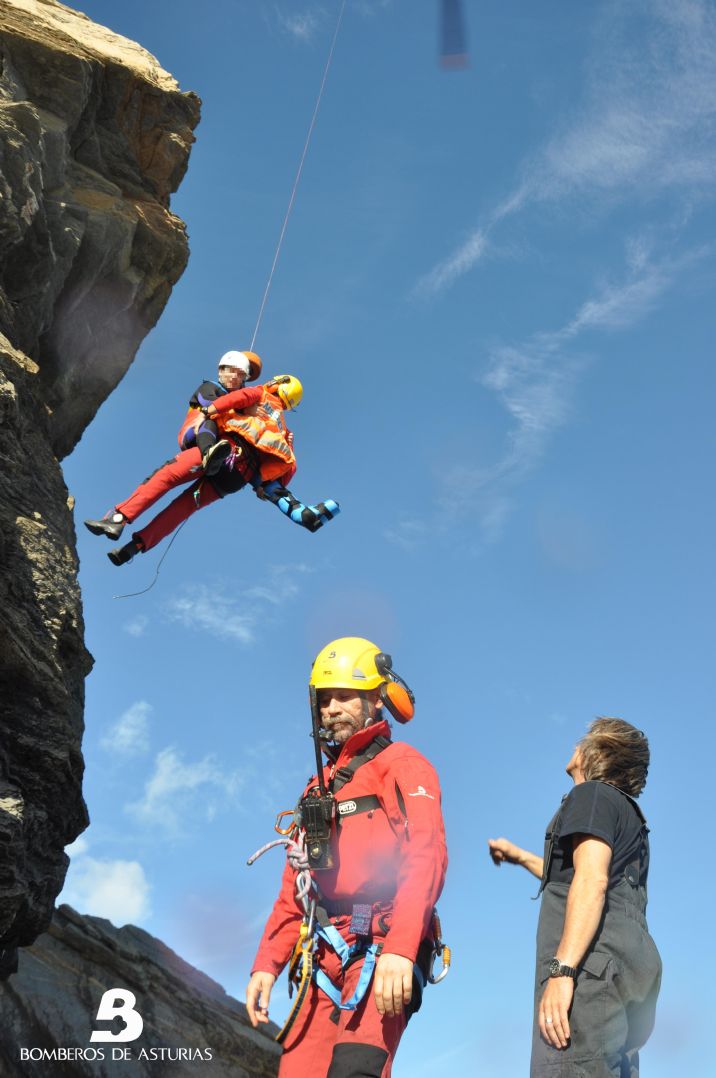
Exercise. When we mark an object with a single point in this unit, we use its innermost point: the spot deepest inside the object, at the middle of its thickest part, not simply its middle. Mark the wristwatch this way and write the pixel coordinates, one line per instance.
(558, 969)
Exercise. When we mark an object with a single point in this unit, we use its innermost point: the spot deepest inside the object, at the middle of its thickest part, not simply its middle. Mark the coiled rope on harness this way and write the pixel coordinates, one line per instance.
(300, 970)
(298, 175)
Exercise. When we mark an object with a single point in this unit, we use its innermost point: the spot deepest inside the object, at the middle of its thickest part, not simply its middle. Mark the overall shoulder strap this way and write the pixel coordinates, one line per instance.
(345, 774)
(631, 801)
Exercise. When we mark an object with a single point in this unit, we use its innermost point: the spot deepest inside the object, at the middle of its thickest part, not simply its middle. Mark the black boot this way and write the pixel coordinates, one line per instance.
(216, 456)
(122, 554)
(112, 525)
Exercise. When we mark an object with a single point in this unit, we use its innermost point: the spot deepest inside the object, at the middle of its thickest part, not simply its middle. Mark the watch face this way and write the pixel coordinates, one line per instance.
(554, 967)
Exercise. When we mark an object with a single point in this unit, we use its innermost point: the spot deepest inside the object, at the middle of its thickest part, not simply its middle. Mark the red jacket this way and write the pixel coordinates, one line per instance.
(395, 855)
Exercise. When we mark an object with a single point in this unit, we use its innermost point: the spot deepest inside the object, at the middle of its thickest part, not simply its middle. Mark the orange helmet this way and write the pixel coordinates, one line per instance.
(255, 366)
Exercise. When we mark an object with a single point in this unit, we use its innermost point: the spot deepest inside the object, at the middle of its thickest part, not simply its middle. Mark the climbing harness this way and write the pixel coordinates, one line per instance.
(307, 840)
(298, 175)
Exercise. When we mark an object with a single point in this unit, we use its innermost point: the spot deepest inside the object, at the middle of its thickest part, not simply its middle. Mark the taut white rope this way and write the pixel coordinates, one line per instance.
(298, 175)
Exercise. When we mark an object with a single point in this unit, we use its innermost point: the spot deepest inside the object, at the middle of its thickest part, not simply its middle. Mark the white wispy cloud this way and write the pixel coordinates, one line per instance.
(301, 25)
(178, 792)
(129, 735)
(534, 382)
(118, 890)
(646, 125)
(237, 616)
(407, 533)
(137, 626)
(455, 265)
(202, 609)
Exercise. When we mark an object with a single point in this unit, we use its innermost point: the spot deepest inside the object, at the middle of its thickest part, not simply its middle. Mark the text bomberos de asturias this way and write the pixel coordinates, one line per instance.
(168, 1055)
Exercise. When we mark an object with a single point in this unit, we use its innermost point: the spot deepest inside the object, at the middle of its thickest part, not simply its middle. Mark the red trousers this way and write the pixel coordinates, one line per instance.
(182, 469)
(362, 1044)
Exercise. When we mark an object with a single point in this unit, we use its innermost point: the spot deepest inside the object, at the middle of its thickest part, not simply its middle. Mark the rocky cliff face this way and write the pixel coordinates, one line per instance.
(94, 137)
(190, 1025)
(43, 661)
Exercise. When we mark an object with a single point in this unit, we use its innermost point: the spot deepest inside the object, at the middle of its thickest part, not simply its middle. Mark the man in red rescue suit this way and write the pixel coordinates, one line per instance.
(232, 436)
(376, 903)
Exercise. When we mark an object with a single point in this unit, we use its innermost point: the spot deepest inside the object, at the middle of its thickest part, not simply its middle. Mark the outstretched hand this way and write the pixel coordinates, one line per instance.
(501, 849)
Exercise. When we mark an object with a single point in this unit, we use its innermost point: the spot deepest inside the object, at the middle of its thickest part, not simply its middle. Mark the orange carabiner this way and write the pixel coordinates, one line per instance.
(284, 830)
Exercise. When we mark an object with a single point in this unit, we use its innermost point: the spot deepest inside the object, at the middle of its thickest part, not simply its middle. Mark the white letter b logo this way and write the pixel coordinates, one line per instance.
(109, 1010)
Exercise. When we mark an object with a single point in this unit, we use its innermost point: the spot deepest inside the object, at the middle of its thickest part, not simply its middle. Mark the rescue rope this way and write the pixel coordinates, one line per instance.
(133, 594)
(298, 859)
(298, 175)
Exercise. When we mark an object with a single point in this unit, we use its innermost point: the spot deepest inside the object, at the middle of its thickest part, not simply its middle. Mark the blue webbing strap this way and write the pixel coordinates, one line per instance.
(366, 973)
(335, 940)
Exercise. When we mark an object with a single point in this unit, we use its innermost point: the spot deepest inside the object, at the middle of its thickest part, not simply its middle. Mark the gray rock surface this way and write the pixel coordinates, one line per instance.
(94, 137)
(43, 661)
(52, 1003)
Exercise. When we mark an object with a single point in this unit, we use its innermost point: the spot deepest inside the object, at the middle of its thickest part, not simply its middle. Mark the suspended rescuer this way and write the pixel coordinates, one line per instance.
(598, 970)
(232, 436)
(368, 863)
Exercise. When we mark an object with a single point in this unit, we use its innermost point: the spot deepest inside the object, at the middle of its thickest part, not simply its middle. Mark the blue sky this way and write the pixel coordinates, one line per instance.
(494, 287)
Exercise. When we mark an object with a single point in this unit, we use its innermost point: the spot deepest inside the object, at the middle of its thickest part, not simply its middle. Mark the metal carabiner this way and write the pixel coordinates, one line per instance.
(285, 830)
(441, 950)
(311, 920)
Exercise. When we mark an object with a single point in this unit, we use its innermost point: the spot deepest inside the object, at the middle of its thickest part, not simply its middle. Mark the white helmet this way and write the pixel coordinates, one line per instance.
(237, 360)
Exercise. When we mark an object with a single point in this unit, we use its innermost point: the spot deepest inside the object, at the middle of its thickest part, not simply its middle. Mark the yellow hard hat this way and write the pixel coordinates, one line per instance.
(348, 663)
(288, 389)
(354, 663)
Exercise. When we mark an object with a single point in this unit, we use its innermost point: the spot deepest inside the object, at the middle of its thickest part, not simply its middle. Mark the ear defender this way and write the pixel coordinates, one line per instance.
(394, 692)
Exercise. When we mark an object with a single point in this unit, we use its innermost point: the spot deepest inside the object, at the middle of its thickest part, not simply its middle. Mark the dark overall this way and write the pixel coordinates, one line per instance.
(615, 991)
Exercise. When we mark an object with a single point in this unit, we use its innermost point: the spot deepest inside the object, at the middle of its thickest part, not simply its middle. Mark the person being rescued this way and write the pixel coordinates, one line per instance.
(232, 436)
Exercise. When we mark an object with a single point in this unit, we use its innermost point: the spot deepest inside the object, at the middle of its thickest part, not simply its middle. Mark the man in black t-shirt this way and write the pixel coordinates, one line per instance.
(598, 970)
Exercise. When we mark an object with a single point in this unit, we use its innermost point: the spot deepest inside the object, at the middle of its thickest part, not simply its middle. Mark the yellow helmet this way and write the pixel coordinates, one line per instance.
(348, 663)
(288, 389)
(354, 663)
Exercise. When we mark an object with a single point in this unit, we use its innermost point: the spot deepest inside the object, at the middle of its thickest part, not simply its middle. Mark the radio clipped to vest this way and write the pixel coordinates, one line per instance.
(316, 815)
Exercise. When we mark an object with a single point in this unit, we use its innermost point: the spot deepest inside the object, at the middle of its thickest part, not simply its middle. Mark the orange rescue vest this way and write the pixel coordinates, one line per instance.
(263, 426)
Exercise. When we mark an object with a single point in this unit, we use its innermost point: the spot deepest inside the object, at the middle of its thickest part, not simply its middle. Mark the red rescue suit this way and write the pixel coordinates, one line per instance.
(393, 857)
(186, 467)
